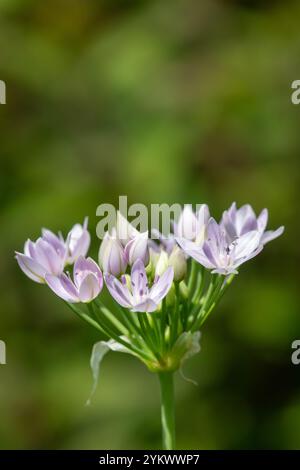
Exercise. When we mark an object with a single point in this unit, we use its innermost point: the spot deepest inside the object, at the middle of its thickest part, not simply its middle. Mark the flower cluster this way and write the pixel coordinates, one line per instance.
(163, 290)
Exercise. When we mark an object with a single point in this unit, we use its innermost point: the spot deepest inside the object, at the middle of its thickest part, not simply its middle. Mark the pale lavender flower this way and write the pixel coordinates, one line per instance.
(138, 296)
(112, 257)
(137, 248)
(87, 284)
(47, 255)
(237, 222)
(78, 241)
(219, 255)
(50, 253)
(192, 226)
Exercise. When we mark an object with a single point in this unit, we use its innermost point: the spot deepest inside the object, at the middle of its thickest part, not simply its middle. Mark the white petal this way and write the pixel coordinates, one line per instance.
(246, 244)
(89, 288)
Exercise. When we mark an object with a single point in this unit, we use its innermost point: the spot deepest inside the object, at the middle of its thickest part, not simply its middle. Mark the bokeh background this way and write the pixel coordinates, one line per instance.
(164, 101)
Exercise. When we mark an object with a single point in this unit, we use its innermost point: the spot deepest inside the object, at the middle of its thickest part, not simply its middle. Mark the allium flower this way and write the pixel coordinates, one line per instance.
(237, 222)
(46, 255)
(138, 296)
(50, 253)
(112, 257)
(219, 255)
(192, 226)
(87, 284)
(137, 248)
(78, 241)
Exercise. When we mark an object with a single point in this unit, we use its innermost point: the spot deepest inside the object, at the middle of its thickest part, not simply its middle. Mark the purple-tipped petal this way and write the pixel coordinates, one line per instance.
(210, 258)
(229, 227)
(43, 253)
(63, 287)
(81, 247)
(139, 279)
(118, 291)
(249, 225)
(54, 241)
(232, 211)
(213, 232)
(46, 255)
(271, 235)
(161, 288)
(194, 251)
(78, 241)
(243, 215)
(31, 268)
(262, 220)
(202, 259)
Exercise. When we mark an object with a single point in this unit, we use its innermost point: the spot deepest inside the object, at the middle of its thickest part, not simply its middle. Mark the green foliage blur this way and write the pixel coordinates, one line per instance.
(163, 101)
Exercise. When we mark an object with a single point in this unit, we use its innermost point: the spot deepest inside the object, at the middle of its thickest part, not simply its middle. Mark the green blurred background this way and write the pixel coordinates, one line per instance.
(164, 101)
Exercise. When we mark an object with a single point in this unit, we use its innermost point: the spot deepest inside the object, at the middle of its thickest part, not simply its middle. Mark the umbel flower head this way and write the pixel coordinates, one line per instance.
(163, 291)
(192, 268)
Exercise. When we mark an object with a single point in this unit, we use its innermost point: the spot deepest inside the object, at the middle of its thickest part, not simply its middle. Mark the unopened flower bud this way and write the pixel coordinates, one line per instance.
(111, 256)
(178, 262)
(184, 291)
(162, 263)
(137, 248)
(187, 224)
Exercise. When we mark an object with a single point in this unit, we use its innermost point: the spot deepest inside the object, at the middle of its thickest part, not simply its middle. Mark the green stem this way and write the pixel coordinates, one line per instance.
(166, 380)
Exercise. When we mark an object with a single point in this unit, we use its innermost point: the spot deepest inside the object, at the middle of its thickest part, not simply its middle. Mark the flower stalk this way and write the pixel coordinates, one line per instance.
(166, 381)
